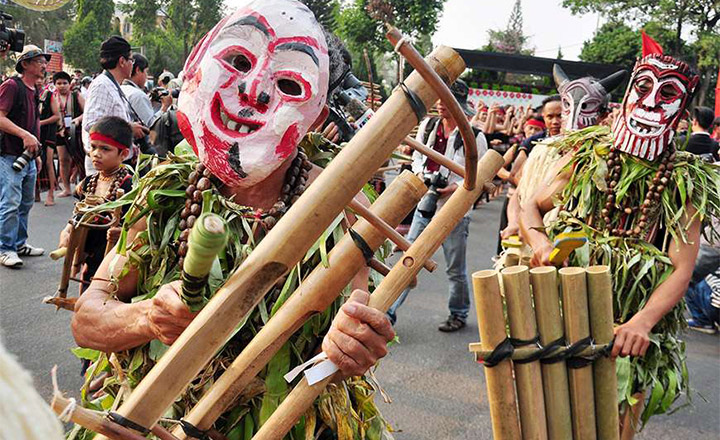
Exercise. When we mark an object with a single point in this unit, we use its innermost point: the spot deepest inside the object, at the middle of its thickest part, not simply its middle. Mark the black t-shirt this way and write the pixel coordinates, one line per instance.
(529, 143)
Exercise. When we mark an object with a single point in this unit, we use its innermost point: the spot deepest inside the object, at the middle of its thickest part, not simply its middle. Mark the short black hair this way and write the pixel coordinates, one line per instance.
(549, 99)
(141, 63)
(61, 75)
(704, 117)
(114, 127)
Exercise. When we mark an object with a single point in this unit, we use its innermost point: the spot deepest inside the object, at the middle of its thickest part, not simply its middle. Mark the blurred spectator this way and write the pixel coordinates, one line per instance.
(69, 147)
(49, 118)
(134, 89)
(700, 141)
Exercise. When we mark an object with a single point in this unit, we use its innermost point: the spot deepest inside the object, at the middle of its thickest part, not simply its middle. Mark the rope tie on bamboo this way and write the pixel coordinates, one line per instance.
(193, 431)
(582, 361)
(127, 423)
(417, 105)
(67, 414)
(400, 44)
(364, 247)
(502, 351)
(570, 352)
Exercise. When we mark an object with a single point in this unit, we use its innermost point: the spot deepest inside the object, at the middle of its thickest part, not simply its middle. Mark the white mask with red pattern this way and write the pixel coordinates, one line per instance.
(253, 86)
(660, 88)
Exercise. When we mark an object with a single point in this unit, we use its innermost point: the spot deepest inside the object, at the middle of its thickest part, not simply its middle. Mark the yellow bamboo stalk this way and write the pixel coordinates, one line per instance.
(314, 295)
(498, 379)
(284, 246)
(516, 282)
(577, 327)
(600, 301)
(550, 326)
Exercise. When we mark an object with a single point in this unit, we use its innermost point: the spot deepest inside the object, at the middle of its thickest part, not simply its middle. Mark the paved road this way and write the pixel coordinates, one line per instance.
(437, 390)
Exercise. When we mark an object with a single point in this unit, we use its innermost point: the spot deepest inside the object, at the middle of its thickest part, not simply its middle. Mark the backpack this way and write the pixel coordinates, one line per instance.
(18, 110)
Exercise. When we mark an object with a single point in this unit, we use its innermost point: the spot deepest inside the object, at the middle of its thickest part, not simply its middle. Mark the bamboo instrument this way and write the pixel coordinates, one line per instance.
(554, 376)
(577, 327)
(498, 379)
(304, 222)
(314, 295)
(390, 289)
(600, 302)
(117, 215)
(58, 253)
(207, 239)
(516, 282)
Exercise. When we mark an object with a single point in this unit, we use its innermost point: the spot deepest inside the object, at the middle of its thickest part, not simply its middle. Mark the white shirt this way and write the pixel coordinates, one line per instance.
(140, 102)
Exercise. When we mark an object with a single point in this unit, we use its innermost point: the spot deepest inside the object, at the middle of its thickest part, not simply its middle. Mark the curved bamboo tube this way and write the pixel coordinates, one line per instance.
(435, 156)
(498, 379)
(577, 326)
(516, 282)
(600, 302)
(550, 328)
(443, 91)
(314, 295)
(400, 276)
(305, 221)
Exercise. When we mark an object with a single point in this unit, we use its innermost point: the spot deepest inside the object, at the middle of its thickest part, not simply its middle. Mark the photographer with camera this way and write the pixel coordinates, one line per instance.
(105, 97)
(442, 135)
(20, 128)
(134, 89)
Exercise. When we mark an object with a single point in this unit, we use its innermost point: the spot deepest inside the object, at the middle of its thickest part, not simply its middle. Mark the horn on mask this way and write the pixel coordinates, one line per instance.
(611, 82)
(559, 75)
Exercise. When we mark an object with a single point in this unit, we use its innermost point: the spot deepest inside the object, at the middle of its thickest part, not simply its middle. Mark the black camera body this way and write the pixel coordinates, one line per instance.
(158, 93)
(428, 204)
(350, 88)
(10, 38)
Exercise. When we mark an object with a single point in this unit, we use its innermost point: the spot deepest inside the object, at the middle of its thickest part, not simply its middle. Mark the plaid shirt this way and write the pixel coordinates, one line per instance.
(103, 99)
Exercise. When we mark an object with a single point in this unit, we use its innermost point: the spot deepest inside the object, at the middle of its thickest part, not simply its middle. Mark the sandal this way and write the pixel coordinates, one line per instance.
(452, 324)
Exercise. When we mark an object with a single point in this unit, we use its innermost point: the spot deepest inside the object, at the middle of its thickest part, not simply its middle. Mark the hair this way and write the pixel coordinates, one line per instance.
(549, 99)
(141, 63)
(340, 61)
(114, 127)
(704, 117)
(61, 75)
(111, 62)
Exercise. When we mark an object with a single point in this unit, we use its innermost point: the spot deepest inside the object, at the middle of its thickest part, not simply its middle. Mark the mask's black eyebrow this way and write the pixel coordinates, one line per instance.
(301, 47)
(249, 20)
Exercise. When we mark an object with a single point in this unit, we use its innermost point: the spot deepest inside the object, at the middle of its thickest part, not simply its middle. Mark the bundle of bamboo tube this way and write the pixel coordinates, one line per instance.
(559, 335)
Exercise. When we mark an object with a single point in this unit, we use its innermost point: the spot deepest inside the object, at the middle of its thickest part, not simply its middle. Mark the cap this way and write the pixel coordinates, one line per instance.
(114, 46)
(29, 52)
(460, 91)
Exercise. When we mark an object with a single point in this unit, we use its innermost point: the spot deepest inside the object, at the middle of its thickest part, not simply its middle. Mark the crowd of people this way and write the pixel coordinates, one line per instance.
(84, 136)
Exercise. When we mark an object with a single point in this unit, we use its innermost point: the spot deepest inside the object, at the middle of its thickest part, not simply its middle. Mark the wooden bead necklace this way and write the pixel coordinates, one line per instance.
(652, 198)
(117, 177)
(201, 180)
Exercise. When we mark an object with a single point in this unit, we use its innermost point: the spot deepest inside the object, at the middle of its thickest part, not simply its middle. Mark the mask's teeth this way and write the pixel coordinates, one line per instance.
(244, 129)
(232, 125)
(224, 117)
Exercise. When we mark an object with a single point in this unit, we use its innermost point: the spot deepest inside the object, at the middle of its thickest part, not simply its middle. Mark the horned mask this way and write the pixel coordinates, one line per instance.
(253, 87)
(659, 91)
(585, 99)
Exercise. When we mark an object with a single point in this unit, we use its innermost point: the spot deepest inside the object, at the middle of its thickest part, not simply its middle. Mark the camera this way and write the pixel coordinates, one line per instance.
(10, 38)
(350, 89)
(428, 204)
(22, 161)
(158, 93)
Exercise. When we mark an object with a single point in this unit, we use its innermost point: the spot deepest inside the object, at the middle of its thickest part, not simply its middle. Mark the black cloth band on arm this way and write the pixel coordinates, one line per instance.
(193, 431)
(416, 103)
(362, 245)
(127, 423)
(503, 351)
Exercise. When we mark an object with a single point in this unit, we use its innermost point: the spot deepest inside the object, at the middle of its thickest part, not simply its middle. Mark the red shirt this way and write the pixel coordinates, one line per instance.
(440, 146)
(13, 145)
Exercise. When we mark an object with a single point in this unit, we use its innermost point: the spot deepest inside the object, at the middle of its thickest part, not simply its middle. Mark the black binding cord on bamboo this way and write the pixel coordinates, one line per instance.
(364, 247)
(127, 423)
(417, 105)
(193, 431)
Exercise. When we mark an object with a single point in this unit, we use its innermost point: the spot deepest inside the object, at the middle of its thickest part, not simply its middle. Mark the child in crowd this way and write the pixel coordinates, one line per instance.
(110, 143)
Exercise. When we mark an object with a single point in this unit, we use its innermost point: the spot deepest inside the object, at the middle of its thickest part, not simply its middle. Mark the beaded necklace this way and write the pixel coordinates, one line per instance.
(201, 180)
(118, 177)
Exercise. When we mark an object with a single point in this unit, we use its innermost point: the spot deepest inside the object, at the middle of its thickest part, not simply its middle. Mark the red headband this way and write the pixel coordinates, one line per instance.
(535, 123)
(95, 136)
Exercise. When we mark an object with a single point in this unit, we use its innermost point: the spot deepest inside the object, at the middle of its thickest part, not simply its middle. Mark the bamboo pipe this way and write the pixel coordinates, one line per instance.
(522, 353)
(378, 266)
(305, 221)
(58, 253)
(314, 295)
(498, 379)
(550, 328)
(435, 156)
(117, 213)
(577, 326)
(443, 91)
(387, 230)
(400, 276)
(600, 303)
(516, 282)
(74, 241)
(93, 420)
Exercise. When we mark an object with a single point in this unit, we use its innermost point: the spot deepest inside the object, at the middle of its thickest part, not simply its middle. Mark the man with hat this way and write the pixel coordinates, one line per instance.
(442, 135)
(20, 128)
(104, 97)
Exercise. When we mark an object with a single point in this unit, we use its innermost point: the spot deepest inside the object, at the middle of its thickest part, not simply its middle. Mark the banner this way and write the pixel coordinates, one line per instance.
(503, 98)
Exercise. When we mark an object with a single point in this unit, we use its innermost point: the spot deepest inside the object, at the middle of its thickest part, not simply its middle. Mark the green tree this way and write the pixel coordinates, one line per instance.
(613, 43)
(92, 25)
(325, 11)
(511, 39)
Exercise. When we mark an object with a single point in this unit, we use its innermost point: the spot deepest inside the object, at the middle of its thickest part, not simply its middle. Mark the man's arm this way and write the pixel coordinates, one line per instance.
(633, 337)
(55, 113)
(104, 323)
(30, 142)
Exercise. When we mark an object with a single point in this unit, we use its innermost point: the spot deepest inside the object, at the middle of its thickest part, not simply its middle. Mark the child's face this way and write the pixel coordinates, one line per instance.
(106, 157)
(63, 87)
